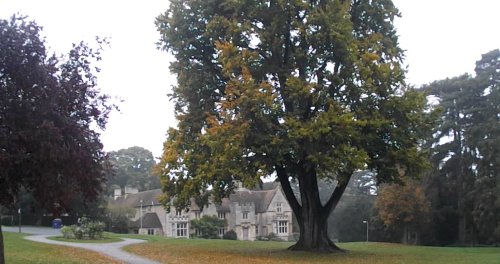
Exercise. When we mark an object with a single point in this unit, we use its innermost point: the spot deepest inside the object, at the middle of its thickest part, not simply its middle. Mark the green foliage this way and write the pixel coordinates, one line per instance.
(132, 167)
(87, 229)
(307, 90)
(230, 235)
(465, 183)
(117, 219)
(69, 232)
(208, 226)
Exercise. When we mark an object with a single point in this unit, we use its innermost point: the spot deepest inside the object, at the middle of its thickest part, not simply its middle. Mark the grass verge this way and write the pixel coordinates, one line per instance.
(101, 240)
(21, 251)
(241, 252)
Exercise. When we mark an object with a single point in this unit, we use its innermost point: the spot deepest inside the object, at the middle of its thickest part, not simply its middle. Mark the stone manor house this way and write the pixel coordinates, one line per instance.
(251, 214)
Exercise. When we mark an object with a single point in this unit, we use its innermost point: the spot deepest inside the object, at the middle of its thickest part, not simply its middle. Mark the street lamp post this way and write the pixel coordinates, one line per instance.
(19, 213)
(367, 225)
(141, 218)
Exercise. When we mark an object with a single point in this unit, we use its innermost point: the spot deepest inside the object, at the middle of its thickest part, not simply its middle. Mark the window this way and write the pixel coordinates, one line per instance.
(197, 215)
(222, 231)
(282, 227)
(245, 215)
(278, 207)
(181, 229)
(151, 231)
(178, 212)
(221, 215)
(256, 230)
(197, 232)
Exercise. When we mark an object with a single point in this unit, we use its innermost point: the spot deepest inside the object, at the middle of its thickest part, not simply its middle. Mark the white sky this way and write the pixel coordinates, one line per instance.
(442, 38)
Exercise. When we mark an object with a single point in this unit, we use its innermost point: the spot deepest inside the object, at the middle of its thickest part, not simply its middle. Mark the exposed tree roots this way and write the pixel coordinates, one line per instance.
(329, 247)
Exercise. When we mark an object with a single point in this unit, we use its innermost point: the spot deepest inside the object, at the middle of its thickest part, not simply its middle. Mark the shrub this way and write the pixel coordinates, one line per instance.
(7, 220)
(117, 218)
(208, 226)
(68, 231)
(273, 237)
(87, 229)
(230, 235)
(95, 229)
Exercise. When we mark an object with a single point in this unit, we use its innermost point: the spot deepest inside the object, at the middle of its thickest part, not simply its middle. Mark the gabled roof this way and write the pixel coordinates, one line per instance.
(134, 200)
(149, 220)
(261, 199)
(223, 206)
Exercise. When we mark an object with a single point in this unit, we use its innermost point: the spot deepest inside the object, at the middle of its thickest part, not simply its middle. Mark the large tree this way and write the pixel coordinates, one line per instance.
(49, 109)
(297, 89)
(465, 183)
(132, 167)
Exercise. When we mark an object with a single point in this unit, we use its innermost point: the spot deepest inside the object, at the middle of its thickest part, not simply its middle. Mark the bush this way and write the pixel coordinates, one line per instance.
(117, 218)
(7, 220)
(208, 226)
(87, 229)
(230, 235)
(68, 231)
(273, 237)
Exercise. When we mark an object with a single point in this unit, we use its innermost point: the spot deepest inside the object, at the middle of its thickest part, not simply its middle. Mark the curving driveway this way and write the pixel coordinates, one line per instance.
(113, 250)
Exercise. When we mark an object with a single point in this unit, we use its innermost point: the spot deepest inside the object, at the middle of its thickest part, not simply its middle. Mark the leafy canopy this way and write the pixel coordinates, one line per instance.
(132, 167)
(50, 108)
(466, 149)
(303, 89)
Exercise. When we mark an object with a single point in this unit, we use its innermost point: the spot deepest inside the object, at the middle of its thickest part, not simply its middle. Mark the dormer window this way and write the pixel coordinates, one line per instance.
(221, 215)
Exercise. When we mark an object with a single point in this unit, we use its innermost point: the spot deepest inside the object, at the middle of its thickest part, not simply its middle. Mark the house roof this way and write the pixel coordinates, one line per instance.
(149, 220)
(223, 206)
(134, 200)
(261, 199)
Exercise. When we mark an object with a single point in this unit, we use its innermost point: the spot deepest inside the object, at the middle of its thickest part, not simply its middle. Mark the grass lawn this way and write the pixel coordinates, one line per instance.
(225, 251)
(20, 250)
(105, 239)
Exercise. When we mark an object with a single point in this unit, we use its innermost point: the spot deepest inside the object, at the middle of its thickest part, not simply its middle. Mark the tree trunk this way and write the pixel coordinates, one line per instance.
(311, 215)
(2, 255)
(314, 233)
(462, 228)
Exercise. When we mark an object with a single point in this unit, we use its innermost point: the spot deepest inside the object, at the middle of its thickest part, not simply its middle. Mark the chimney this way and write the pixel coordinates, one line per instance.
(131, 190)
(117, 193)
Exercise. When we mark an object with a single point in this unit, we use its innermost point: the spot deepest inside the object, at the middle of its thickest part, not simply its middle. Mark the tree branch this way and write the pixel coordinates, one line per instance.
(287, 189)
(337, 194)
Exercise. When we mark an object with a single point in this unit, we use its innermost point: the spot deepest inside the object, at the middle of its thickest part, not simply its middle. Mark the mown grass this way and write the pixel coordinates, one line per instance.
(100, 240)
(21, 251)
(241, 252)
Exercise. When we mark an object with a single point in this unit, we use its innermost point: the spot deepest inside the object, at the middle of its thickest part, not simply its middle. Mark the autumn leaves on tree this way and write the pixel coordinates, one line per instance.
(301, 90)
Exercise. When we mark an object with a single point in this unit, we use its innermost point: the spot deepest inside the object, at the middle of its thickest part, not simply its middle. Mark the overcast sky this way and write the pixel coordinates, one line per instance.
(442, 38)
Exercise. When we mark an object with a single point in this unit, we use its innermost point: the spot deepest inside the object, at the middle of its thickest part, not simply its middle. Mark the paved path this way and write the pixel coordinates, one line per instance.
(34, 230)
(113, 250)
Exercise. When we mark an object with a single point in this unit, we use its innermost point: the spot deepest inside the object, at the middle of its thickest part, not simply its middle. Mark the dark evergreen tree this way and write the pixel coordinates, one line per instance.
(464, 184)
